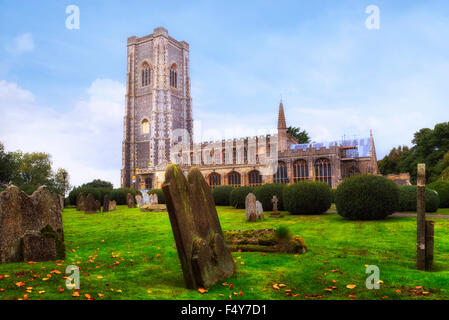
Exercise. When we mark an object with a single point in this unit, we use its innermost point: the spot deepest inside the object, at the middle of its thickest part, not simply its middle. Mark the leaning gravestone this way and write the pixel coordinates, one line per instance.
(30, 226)
(259, 211)
(80, 198)
(205, 257)
(90, 204)
(139, 200)
(130, 201)
(106, 203)
(250, 207)
(112, 205)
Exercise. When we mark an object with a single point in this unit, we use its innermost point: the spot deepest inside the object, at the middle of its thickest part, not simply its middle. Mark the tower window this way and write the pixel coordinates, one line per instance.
(174, 76)
(146, 74)
(145, 127)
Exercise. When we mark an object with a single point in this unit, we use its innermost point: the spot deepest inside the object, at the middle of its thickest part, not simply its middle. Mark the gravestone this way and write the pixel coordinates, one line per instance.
(106, 203)
(112, 205)
(130, 201)
(205, 257)
(146, 199)
(98, 205)
(30, 226)
(90, 204)
(250, 207)
(275, 213)
(80, 198)
(139, 200)
(61, 201)
(153, 199)
(259, 211)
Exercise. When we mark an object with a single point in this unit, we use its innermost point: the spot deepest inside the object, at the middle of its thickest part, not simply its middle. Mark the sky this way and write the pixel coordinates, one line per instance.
(62, 91)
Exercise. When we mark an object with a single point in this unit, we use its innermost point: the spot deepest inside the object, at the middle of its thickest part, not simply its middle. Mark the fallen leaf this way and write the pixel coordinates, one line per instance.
(41, 292)
(100, 295)
(275, 287)
(119, 291)
(149, 291)
(241, 293)
(76, 294)
(398, 291)
(202, 290)
(350, 286)
(20, 284)
(281, 285)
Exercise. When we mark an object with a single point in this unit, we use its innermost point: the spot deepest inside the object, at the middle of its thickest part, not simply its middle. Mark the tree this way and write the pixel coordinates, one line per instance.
(392, 162)
(7, 166)
(60, 184)
(97, 183)
(302, 136)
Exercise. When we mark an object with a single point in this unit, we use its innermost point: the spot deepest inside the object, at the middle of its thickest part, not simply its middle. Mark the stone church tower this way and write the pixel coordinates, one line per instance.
(157, 103)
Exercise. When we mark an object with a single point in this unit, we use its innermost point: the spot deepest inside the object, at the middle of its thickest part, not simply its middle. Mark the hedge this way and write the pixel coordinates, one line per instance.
(222, 195)
(265, 193)
(367, 197)
(119, 195)
(307, 197)
(238, 195)
(442, 187)
(407, 199)
(160, 195)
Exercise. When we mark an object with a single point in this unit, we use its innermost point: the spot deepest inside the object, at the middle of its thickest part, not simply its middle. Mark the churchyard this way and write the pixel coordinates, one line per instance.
(129, 254)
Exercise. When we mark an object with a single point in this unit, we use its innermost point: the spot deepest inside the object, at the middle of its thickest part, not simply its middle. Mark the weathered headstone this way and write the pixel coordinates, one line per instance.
(275, 213)
(130, 201)
(259, 211)
(112, 205)
(30, 226)
(146, 198)
(204, 255)
(139, 200)
(153, 199)
(90, 204)
(80, 198)
(106, 203)
(61, 201)
(250, 207)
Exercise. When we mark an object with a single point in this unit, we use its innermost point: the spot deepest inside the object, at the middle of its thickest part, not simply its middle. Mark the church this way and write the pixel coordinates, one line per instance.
(158, 130)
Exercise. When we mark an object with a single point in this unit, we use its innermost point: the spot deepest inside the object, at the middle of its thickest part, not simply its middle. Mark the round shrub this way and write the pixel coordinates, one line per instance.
(307, 197)
(119, 195)
(442, 187)
(407, 199)
(98, 193)
(238, 195)
(160, 195)
(367, 197)
(265, 193)
(221, 195)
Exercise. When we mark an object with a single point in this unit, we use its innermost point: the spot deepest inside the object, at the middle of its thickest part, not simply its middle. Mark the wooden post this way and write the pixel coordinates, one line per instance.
(429, 244)
(421, 218)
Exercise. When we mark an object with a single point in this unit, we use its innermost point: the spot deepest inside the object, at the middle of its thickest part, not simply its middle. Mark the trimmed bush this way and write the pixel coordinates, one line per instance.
(307, 197)
(98, 193)
(333, 192)
(265, 193)
(119, 195)
(238, 195)
(442, 187)
(160, 195)
(221, 195)
(367, 197)
(407, 199)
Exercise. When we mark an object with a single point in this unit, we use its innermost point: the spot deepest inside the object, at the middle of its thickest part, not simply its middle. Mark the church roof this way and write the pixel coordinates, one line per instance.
(362, 146)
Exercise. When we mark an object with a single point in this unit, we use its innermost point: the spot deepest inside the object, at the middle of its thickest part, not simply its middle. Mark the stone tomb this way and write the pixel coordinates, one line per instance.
(146, 198)
(31, 226)
(139, 200)
(205, 257)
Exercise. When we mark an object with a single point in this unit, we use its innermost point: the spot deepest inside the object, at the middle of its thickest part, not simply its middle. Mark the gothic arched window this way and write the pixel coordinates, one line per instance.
(174, 76)
(323, 171)
(300, 171)
(234, 179)
(254, 178)
(146, 74)
(145, 126)
(214, 180)
(281, 174)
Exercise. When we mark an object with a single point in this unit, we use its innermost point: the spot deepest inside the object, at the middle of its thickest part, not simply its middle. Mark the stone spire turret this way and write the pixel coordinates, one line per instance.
(282, 129)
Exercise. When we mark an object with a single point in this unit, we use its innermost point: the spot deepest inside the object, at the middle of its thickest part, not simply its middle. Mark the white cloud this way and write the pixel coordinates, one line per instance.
(86, 140)
(21, 44)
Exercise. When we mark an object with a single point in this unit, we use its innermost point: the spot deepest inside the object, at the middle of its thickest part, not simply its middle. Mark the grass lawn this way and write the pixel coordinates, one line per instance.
(128, 254)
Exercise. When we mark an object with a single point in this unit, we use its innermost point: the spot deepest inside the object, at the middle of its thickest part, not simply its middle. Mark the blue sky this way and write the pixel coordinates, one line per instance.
(62, 91)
